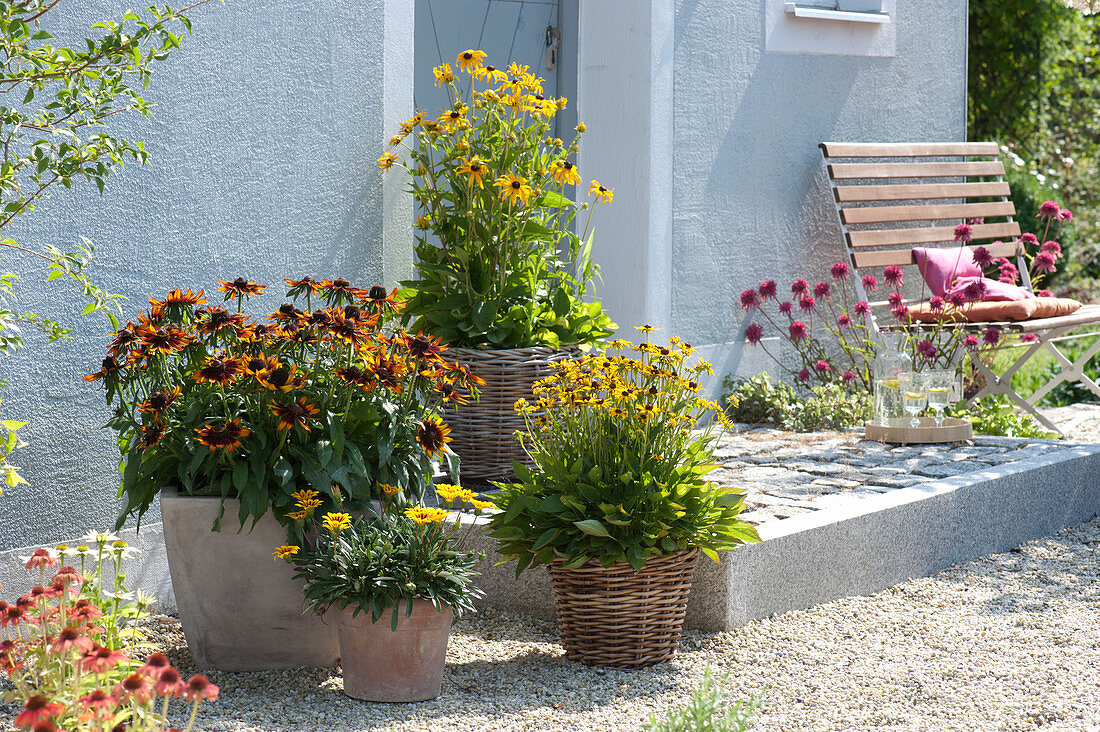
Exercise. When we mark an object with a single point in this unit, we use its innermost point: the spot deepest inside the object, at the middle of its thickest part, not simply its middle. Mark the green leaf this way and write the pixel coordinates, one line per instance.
(592, 527)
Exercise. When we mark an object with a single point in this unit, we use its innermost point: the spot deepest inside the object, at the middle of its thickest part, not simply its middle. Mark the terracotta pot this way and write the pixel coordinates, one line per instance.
(384, 665)
(240, 610)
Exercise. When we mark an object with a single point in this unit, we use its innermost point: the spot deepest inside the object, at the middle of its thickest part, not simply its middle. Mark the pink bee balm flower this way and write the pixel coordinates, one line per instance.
(1049, 210)
(892, 275)
(785, 307)
(927, 349)
(799, 331)
(840, 271)
(982, 257)
(1029, 240)
(976, 220)
(974, 291)
(1044, 262)
(1053, 247)
(754, 333)
(807, 304)
(843, 322)
(901, 313)
(1009, 273)
(894, 299)
(847, 376)
(861, 308)
(767, 290)
(935, 304)
(870, 282)
(42, 559)
(962, 233)
(822, 367)
(956, 300)
(1044, 293)
(991, 336)
(971, 341)
(804, 375)
(800, 287)
(1065, 215)
(821, 290)
(750, 300)
(1029, 338)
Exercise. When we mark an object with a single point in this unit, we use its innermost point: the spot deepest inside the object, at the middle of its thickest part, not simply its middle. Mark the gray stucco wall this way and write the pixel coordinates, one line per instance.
(751, 199)
(268, 123)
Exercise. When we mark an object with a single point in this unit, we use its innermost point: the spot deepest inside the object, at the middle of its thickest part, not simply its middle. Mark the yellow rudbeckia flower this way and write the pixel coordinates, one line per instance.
(565, 173)
(473, 169)
(443, 75)
(603, 195)
(470, 60)
(513, 188)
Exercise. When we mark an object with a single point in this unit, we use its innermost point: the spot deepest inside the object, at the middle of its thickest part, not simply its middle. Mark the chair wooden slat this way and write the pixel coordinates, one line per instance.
(902, 257)
(929, 234)
(848, 171)
(920, 191)
(880, 214)
(903, 149)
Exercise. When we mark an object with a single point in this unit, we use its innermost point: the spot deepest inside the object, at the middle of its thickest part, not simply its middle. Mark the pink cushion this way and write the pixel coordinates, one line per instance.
(995, 290)
(940, 267)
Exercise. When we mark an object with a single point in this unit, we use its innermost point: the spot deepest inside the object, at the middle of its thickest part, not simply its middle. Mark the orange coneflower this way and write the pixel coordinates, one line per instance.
(425, 348)
(210, 320)
(449, 393)
(294, 413)
(159, 400)
(152, 316)
(388, 370)
(165, 340)
(260, 365)
(302, 286)
(227, 435)
(433, 435)
(150, 435)
(339, 291)
(286, 313)
(240, 287)
(123, 338)
(379, 300)
(318, 318)
(179, 298)
(219, 371)
(281, 378)
(110, 366)
(355, 376)
(347, 330)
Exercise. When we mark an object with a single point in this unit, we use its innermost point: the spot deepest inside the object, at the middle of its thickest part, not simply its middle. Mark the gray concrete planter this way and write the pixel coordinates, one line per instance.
(240, 610)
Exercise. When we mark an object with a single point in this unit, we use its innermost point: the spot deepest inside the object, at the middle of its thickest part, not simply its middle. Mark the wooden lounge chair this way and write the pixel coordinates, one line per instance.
(891, 197)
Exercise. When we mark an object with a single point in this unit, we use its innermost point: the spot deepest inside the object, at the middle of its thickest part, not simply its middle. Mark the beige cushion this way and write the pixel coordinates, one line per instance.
(992, 312)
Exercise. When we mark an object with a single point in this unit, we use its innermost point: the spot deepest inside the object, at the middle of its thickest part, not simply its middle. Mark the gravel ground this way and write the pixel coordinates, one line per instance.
(1007, 642)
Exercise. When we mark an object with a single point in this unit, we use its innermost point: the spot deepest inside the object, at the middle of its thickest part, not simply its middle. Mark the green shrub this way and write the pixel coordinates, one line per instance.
(829, 407)
(994, 415)
(756, 400)
(709, 710)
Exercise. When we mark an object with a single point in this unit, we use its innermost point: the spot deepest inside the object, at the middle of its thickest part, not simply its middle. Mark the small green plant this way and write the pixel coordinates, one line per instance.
(709, 710)
(829, 407)
(995, 416)
(757, 399)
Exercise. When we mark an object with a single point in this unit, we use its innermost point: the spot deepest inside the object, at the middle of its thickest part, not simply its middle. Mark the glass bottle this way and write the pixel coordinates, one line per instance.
(891, 361)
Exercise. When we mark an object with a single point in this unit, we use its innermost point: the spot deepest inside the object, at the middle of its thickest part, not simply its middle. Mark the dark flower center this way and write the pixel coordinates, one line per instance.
(240, 282)
(455, 114)
(377, 292)
(490, 68)
(219, 317)
(279, 376)
(159, 400)
(256, 364)
(567, 165)
(341, 282)
(35, 703)
(516, 184)
(467, 55)
(110, 364)
(351, 312)
(475, 167)
(287, 309)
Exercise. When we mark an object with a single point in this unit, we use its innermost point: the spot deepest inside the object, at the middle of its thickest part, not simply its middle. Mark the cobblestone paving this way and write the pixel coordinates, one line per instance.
(789, 473)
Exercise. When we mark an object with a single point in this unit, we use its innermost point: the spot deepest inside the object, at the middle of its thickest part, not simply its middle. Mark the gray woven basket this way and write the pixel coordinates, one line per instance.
(483, 432)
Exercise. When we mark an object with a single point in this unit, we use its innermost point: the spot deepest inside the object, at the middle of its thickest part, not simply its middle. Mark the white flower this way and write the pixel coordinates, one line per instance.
(122, 549)
(100, 537)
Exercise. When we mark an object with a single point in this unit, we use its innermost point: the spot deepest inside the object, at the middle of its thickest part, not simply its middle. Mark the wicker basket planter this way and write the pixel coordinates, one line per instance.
(482, 432)
(615, 617)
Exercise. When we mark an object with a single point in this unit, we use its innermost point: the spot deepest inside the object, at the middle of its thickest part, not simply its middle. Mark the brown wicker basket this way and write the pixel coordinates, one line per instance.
(483, 432)
(618, 618)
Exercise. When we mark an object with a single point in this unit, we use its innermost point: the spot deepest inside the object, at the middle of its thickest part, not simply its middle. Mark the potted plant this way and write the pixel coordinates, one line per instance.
(394, 582)
(501, 274)
(618, 504)
(228, 413)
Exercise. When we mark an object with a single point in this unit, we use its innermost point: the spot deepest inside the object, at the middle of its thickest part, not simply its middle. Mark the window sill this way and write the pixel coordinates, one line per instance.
(809, 11)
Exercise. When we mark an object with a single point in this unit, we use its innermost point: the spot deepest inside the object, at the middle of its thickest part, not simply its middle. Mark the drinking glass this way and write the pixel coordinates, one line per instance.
(914, 398)
(939, 385)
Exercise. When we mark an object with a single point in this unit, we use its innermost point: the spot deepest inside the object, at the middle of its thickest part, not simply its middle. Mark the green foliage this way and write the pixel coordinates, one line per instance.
(994, 415)
(760, 400)
(620, 475)
(757, 399)
(829, 407)
(710, 710)
(381, 563)
(497, 266)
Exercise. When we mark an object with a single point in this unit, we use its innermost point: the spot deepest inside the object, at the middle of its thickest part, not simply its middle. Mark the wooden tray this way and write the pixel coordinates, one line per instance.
(952, 430)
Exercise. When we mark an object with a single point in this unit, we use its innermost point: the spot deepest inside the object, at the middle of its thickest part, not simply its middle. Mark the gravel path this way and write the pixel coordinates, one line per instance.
(1007, 642)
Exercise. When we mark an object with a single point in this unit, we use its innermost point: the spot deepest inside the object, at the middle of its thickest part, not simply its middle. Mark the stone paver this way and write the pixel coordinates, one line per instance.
(789, 474)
